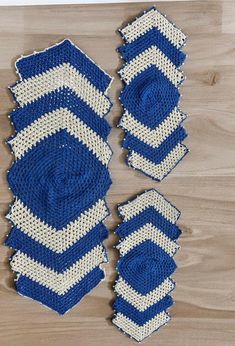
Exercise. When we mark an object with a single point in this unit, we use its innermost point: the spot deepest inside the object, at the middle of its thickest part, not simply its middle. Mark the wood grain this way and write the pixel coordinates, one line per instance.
(202, 186)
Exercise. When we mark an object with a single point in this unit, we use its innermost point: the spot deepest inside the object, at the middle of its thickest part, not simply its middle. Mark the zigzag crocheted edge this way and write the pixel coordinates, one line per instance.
(12, 224)
(44, 50)
(145, 12)
(148, 336)
(11, 137)
(20, 79)
(10, 140)
(129, 164)
(137, 18)
(133, 199)
(74, 306)
(129, 149)
(106, 260)
(179, 84)
(136, 196)
(18, 274)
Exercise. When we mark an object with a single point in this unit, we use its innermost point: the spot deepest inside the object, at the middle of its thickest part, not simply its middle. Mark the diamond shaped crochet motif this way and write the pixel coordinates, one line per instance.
(60, 175)
(152, 120)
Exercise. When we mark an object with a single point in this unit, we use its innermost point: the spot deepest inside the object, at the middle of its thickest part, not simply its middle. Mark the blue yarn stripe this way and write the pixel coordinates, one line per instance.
(140, 317)
(149, 175)
(63, 303)
(156, 155)
(23, 117)
(58, 262)
(152, 38)
(64, 52)
(149, 215)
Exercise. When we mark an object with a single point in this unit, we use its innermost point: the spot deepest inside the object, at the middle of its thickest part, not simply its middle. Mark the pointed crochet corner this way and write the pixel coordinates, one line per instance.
(153, 19)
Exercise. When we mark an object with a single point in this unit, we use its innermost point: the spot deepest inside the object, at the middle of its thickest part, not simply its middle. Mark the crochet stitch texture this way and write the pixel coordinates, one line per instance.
(147, 245)
(60, 175)
(152, 76)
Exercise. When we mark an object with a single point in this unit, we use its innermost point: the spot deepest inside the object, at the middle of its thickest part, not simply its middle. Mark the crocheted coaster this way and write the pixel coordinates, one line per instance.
(60, 175)
(152, 119)
(147, 245)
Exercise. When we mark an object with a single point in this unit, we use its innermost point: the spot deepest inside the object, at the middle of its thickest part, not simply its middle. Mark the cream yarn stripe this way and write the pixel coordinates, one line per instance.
(154, 19)
(148, 232)
(151, 56)
(140, 332)
(158, 171)
(57, 240)
(155, 137)
(143, 302)
(52, 122)
(63, 75)
(59, 283)
(149, 199)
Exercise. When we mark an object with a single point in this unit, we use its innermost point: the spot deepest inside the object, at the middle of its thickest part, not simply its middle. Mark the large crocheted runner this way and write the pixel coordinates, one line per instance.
(147, 245)
(152, 76)
(59, 177)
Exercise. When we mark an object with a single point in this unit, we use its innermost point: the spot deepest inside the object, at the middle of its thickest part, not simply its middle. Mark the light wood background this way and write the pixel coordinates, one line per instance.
(202, 186)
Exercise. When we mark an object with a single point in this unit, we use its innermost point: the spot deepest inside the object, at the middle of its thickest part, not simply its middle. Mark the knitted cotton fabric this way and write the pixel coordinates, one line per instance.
(152, 76)
(60, 175)
(148, 235)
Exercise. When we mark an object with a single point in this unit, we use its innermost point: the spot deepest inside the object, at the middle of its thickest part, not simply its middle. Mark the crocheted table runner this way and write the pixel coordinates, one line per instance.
(147, 245)
(152, 76)
(60, 175)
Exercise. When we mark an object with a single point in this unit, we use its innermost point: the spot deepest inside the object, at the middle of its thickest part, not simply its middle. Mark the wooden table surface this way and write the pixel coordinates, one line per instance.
(202, 186)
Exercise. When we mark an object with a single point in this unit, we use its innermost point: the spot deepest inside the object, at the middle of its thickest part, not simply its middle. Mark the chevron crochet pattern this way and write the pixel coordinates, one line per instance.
(60, 175)
(147, 245)
(152, 76)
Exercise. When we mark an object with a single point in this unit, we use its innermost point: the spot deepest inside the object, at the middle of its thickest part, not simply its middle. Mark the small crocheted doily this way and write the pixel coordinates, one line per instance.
(147, 245)
(152, 76)
(60, 175)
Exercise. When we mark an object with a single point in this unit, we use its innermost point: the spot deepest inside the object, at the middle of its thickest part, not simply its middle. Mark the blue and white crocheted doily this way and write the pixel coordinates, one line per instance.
(148, 235)
(152, 119)
(60, 175)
